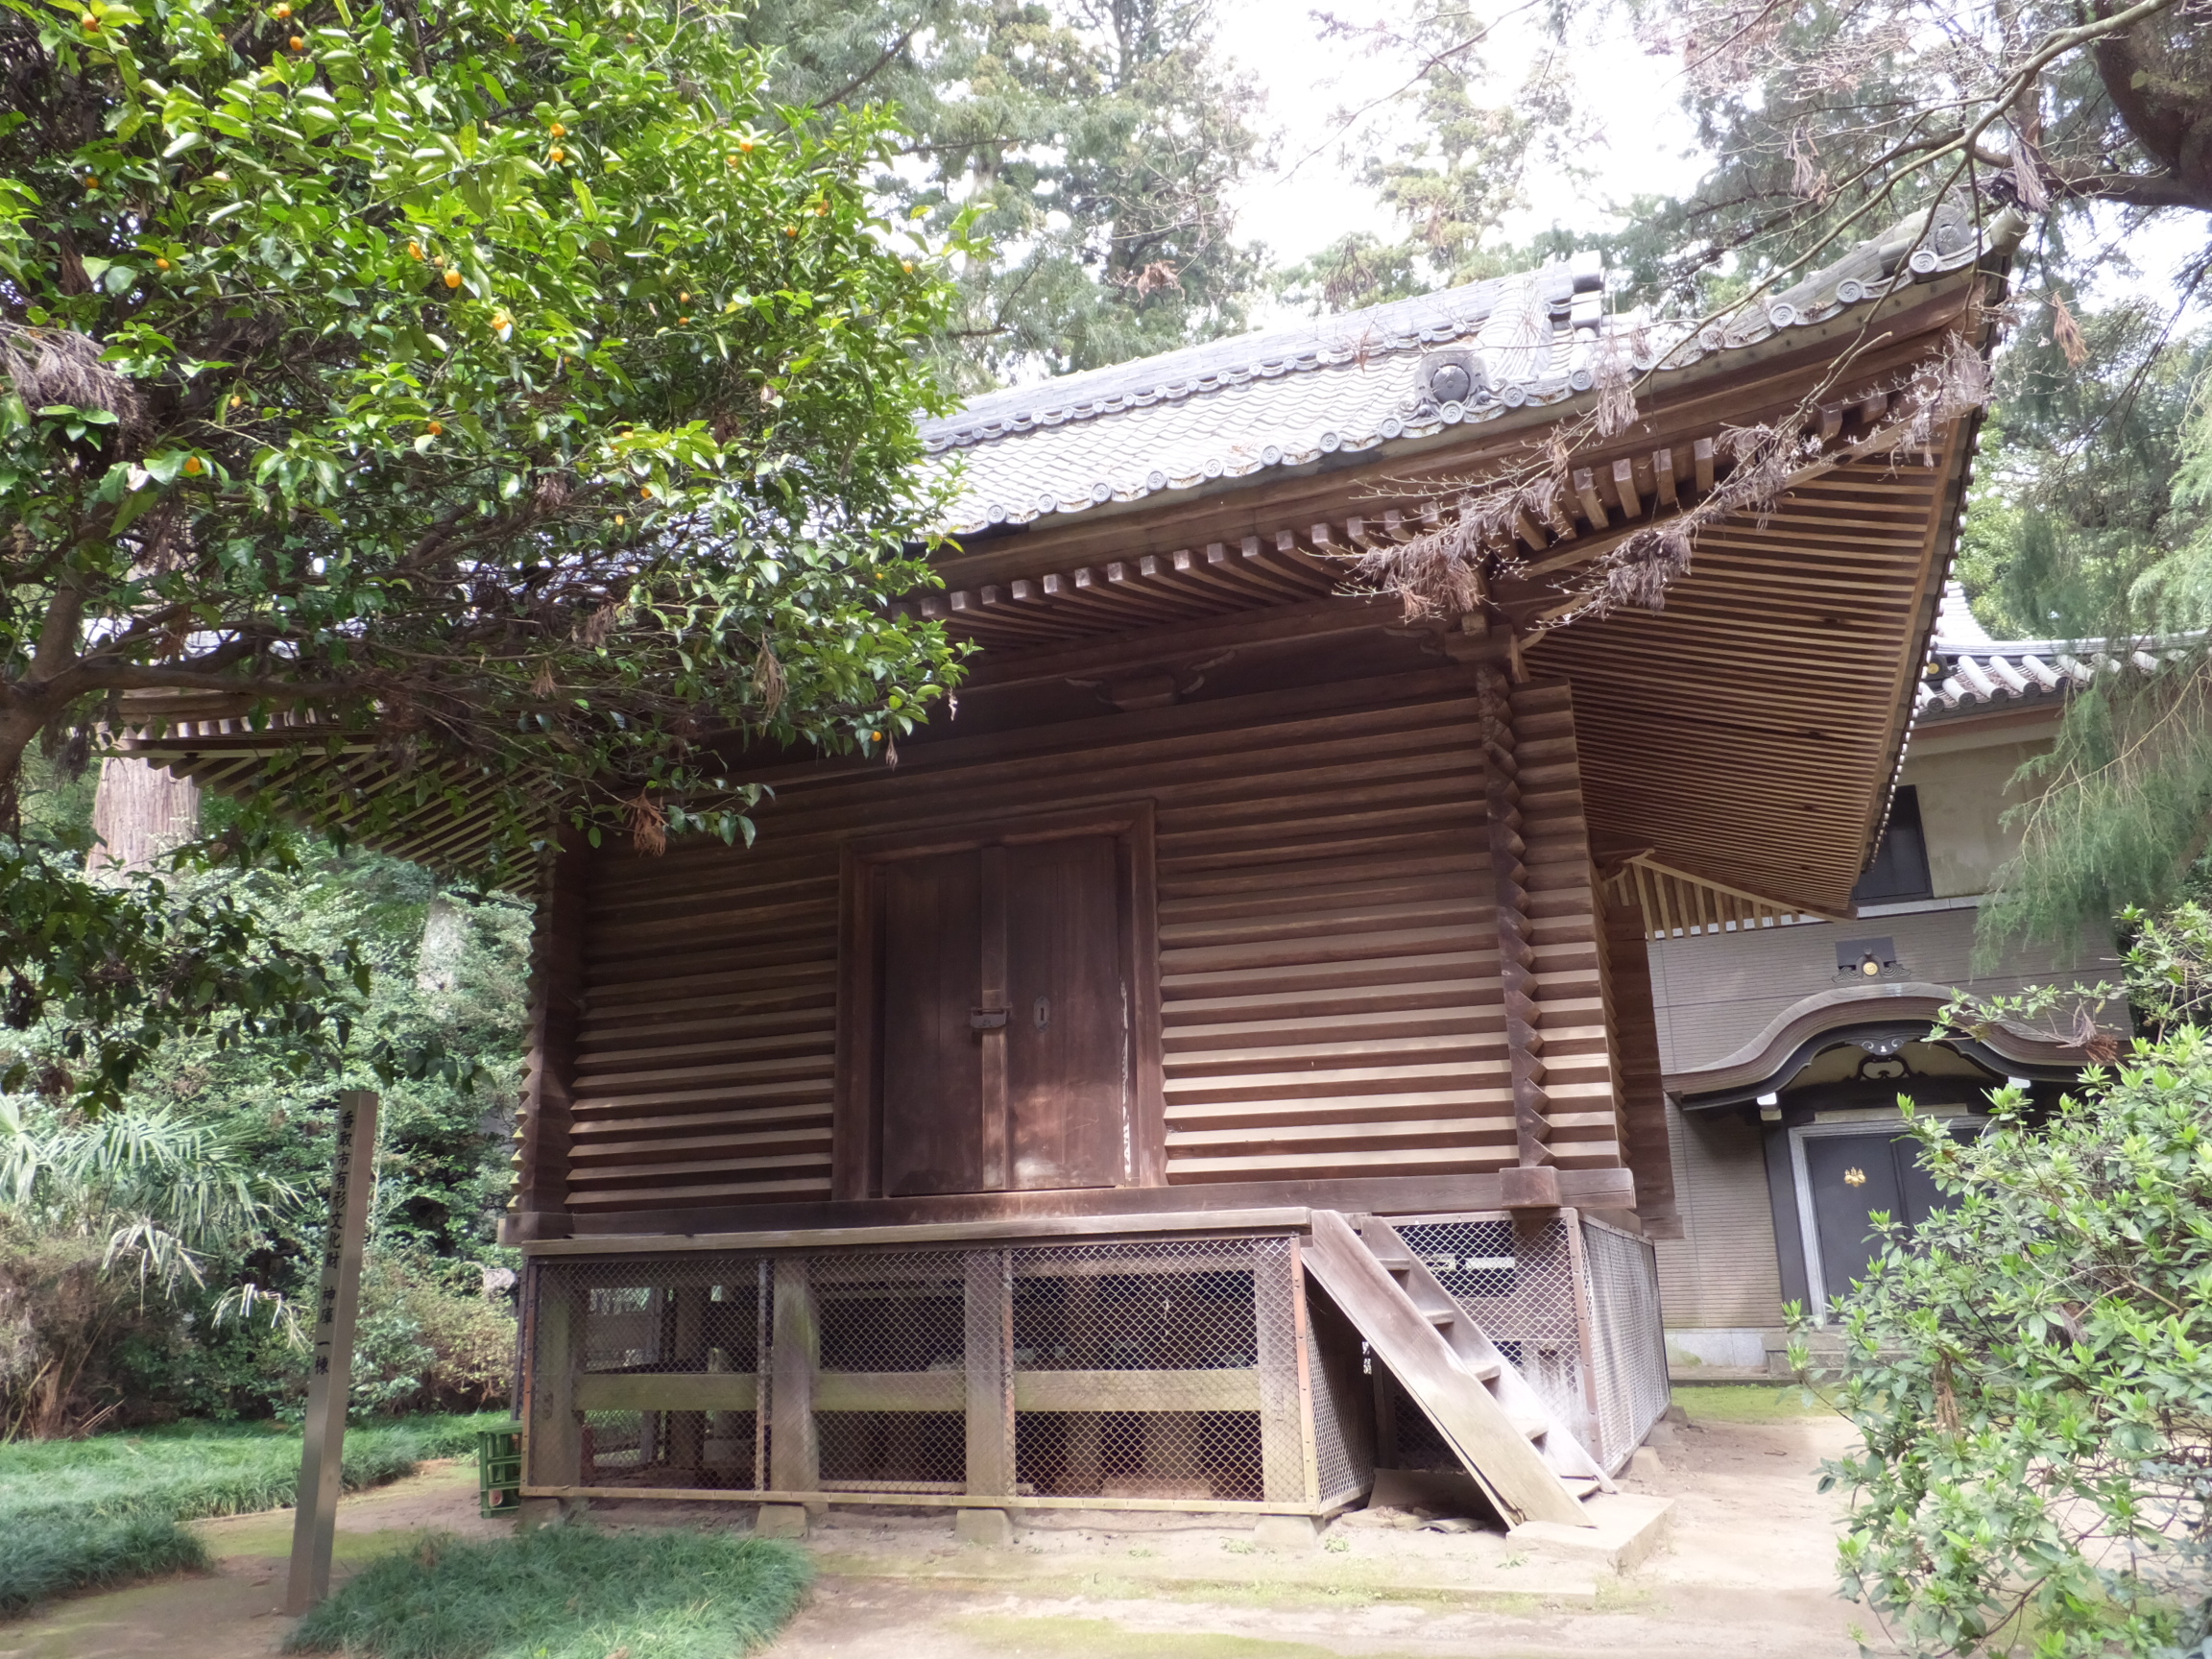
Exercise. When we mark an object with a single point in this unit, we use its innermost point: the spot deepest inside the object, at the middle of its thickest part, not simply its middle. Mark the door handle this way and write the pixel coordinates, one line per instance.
(987, 1020)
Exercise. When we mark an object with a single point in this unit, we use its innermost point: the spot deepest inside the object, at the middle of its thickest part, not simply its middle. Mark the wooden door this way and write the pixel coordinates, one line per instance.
(1067, 1051)
(1851, 1178)
(932, 1061)
(1006, 1060)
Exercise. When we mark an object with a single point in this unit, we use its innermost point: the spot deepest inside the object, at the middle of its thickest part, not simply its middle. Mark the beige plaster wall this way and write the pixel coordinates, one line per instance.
(1722, 1273)
(1964, 795)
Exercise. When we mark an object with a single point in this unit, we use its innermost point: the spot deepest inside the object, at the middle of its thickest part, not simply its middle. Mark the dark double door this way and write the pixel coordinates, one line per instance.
(1005, 1060)
(1849, 1178)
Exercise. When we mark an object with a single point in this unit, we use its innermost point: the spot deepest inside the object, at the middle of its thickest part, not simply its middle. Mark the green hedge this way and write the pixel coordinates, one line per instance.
(565, 1593)
(79, 1513)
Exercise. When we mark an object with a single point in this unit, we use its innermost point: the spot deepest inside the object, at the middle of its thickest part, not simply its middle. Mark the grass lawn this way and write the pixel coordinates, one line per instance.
(1748, 1402)
(77, 1513)
(565, 1593)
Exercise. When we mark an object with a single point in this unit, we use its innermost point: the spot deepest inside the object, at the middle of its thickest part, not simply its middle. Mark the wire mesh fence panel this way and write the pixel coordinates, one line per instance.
(891, 1373)
(1516, 1280)
(646, 1372)
(1626, 1338)
(1343, 1403)
(1155, 1369)
(1159, 1370)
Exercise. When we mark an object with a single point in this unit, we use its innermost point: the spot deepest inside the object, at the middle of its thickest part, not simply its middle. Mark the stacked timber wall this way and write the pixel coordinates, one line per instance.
(1328, 952)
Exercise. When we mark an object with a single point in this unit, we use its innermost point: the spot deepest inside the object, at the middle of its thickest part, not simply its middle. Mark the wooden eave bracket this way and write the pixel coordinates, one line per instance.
(1710, 915)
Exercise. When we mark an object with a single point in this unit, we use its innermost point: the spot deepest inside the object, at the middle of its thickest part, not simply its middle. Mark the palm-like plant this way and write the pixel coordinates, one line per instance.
(93, 1210)
(164, 1189)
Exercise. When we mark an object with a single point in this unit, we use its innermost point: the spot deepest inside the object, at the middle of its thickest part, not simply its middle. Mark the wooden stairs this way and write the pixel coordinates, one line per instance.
(1528, 1463)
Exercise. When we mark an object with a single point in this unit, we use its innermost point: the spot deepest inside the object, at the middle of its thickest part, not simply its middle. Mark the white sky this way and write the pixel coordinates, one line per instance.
(1644, 143)
(1314, 198)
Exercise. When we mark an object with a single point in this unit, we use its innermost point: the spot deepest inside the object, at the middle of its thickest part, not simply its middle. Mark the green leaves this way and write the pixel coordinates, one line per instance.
(2031, 1377)
(430, 346)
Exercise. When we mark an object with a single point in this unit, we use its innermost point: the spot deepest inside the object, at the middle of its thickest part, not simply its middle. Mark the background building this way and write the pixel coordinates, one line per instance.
(1784, 1046)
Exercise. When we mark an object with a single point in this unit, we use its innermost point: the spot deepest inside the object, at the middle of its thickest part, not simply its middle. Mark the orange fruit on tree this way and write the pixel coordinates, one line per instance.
(437, 428)
(452, 279)
(415, 250)
(161, 265)
(557, 156)
(297, 44)
(559, 130)
(192, 467)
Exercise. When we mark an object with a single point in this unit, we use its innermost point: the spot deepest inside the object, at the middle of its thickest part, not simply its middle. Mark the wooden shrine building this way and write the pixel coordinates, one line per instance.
(1219, 1058)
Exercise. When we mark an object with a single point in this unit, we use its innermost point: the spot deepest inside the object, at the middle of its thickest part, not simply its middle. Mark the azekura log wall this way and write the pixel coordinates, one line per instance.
(1332, 1008)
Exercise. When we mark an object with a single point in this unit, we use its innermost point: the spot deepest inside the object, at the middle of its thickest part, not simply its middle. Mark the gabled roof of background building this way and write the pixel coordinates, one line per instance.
(1289, 396)
(1972, 673)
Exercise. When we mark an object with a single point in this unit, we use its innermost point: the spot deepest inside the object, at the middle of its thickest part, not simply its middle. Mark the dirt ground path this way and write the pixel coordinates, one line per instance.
(1748, 1573)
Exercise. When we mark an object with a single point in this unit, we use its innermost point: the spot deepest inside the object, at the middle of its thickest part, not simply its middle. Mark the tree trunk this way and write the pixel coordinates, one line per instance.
(139, 813)
(445, 941)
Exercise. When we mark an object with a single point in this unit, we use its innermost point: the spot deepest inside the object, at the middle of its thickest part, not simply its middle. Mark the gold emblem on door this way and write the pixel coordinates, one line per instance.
(1854, 1177)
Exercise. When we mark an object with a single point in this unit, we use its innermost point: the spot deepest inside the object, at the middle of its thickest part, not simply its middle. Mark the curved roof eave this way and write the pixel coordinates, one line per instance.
(1903, 1009)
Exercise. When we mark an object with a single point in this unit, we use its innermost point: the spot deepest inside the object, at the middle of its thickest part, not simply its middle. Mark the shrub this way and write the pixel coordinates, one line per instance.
(2032, 1374)
(423, 1346)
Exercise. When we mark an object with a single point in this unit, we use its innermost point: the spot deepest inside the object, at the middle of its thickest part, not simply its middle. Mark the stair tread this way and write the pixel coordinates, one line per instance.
(1442, 1315)
(1531, 1428)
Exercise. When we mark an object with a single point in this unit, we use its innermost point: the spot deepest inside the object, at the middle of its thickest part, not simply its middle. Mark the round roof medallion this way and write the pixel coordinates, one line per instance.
(1453, 375)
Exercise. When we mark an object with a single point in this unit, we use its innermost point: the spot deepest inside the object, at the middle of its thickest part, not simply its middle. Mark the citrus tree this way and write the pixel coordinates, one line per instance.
(508, 385)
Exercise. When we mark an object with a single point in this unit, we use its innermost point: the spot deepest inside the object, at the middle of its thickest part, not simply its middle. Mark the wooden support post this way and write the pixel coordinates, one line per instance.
(795, 1349)
(315, 1514)
(539, 1206)
(989, 1403)
(553, 1446)
(1309, 1440)
(687, 1431)
(1530, 1181)
(1276, 1328)
(763, 1345)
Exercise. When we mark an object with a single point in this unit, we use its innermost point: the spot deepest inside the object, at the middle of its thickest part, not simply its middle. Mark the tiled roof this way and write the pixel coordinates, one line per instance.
(1970, 672)
(1352, 382)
